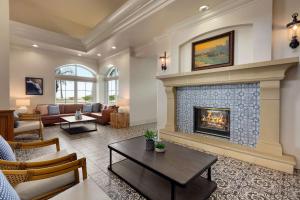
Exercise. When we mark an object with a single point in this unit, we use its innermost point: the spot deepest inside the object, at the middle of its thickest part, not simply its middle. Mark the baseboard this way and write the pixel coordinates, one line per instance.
(141, 122)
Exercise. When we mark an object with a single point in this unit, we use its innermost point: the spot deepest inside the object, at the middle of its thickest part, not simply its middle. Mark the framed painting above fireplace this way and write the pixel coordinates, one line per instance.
(217, 51)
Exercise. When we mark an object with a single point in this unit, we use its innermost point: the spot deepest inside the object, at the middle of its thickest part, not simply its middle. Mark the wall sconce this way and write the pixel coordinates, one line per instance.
(293, 28)
(163, 62)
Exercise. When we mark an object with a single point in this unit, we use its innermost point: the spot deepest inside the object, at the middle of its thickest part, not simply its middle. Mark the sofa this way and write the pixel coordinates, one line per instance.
(102, 114)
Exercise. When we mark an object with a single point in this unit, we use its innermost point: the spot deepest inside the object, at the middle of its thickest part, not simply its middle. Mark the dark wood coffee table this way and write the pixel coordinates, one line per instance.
(156, 175)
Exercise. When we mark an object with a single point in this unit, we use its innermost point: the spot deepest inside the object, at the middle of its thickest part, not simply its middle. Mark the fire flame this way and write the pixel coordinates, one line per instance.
(215, 119)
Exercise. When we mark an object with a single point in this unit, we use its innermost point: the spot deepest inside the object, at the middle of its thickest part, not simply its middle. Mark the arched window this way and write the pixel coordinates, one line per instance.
(112, 85)
(75, 84)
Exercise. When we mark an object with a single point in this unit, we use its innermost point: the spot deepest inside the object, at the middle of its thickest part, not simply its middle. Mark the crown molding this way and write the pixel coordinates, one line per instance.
(20, 30)
(129, 14)
(217, 11)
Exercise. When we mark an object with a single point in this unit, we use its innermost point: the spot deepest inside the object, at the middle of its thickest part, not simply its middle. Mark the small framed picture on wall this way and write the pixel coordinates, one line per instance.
(34, 86)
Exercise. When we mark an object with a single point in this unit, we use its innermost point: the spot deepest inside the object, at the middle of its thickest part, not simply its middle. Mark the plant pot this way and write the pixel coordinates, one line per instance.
(149, 145)
(160, 150)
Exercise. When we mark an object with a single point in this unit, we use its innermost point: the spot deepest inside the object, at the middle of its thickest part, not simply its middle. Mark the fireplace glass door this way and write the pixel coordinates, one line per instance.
(212, 121)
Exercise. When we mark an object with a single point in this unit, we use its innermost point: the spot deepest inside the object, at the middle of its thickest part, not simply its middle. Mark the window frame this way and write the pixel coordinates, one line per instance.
(75, 78)
(115, 78)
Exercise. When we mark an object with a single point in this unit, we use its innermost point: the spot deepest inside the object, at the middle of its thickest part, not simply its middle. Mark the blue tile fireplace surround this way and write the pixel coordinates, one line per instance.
(241, 99)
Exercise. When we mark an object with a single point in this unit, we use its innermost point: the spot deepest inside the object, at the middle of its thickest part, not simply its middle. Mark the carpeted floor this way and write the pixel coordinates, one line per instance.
(236, 180)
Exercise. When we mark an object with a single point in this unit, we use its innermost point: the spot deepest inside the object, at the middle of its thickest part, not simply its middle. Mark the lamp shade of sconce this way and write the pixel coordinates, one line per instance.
(163, 62)
(123, 104)
(294, 31)
(22, 105)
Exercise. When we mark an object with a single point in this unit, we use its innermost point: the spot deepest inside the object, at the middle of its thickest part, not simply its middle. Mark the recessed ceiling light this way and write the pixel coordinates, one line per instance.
(113, 47)
(79, 54)
(99, 54)
(203, 8)
(35, 45)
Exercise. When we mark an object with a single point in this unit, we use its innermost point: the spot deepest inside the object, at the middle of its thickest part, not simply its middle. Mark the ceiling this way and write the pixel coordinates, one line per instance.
(132, 26)
(75, 18)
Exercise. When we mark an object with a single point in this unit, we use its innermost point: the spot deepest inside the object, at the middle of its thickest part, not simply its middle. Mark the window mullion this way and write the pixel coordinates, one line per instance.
(75, 92)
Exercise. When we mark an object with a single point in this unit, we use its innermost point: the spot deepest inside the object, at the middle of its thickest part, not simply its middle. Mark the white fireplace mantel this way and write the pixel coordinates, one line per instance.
(268, 151)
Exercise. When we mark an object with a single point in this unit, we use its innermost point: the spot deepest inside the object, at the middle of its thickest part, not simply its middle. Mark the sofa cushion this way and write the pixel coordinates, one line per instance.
(53, 110)
(50, 156)
(7, 192)
(96, 107)
(72, 108)
(32, 189)
(27, 126)
(6, 152)
(87, 108)
(42, 109)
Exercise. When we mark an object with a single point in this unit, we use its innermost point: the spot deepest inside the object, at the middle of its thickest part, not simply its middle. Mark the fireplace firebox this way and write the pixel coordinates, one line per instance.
(212, 121)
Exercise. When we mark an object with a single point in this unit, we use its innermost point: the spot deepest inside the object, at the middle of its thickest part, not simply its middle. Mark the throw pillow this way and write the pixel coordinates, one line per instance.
(96, 107)
(42, 109)
(7, 192)
(16, 119)
(53, 110)
(6, 153)
(87, 108)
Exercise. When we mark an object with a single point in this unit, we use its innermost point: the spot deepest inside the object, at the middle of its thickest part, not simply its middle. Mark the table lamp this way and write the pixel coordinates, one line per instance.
(22, 105)
(123, 104)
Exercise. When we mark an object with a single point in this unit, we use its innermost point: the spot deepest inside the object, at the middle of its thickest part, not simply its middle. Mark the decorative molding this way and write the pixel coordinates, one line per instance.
(246, 73)
(217, 11)
(129, 14)
(23, 31)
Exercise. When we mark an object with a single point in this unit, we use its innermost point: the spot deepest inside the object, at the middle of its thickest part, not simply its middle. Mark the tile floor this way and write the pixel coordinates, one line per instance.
(235, 179)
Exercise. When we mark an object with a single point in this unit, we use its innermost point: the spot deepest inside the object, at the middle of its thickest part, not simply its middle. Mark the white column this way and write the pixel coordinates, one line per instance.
(4, 54)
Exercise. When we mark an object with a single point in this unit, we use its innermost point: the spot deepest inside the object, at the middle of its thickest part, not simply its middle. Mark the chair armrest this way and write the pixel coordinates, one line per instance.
(32, 145)
(15, 165)
(30, 117)
(18, 176)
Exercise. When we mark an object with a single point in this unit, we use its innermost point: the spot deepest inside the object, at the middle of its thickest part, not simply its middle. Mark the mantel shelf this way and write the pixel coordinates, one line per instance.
(252, 72)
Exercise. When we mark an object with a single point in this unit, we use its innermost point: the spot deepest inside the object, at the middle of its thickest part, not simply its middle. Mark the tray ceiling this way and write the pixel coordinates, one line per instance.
(74, 18)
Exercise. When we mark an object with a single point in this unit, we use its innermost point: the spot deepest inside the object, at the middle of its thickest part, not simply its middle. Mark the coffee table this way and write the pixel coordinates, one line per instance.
(70, 120)
(173, 174)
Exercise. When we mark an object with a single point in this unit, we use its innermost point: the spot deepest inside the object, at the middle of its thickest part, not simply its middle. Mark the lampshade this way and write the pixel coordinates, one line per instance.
(22, 102)
(123, 102)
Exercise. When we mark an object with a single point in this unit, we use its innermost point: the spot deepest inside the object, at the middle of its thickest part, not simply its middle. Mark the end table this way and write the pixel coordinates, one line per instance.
(119, 120)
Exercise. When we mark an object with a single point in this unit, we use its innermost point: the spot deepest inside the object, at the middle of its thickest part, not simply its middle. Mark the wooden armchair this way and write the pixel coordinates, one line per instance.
(47, 181)
(59, 157)
(30, 124)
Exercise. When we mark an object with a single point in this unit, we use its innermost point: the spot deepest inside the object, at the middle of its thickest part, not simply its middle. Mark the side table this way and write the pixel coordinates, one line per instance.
(119, 120)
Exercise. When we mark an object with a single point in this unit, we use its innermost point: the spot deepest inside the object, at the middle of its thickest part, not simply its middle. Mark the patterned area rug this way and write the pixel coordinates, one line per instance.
(236, 180)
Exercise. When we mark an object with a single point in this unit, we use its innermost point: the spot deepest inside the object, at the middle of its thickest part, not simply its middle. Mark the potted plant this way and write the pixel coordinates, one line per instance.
(160, 147)
(150, 136)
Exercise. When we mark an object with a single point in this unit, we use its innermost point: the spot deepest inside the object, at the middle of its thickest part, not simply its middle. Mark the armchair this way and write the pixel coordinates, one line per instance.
(59, 157)
(30, 124)
(46, 182)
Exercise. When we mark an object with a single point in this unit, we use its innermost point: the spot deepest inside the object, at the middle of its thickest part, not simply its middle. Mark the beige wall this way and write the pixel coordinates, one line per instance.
(142, 90)
(137, 83)
(290, 88)
(32, 62)
(4, 54)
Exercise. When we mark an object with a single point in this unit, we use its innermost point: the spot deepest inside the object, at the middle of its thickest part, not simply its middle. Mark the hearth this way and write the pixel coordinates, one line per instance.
(212, 121)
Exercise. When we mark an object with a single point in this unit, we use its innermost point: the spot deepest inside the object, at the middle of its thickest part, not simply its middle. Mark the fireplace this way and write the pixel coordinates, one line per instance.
(212, 121)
